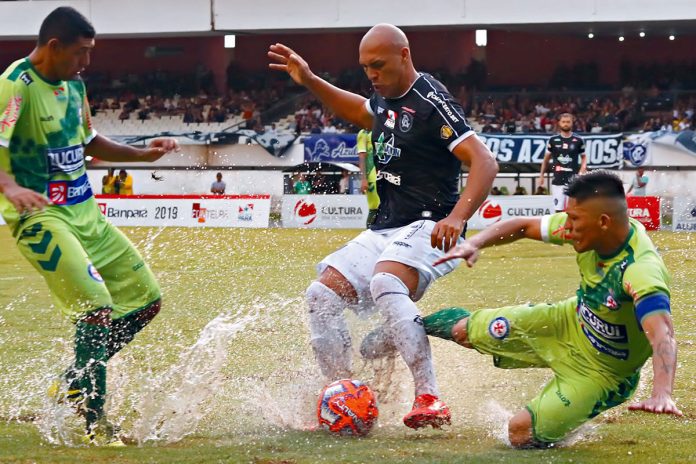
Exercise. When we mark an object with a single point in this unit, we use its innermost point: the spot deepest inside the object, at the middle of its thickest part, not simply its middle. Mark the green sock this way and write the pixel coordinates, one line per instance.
(440, 324)
(124, 330)
(90, 367)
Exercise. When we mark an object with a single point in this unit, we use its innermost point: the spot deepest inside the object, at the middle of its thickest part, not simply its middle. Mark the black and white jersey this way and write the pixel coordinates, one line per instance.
(565, 157)
(413, 136)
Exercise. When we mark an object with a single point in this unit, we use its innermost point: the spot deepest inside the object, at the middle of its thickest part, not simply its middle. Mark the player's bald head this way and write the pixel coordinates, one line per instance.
(386, 36)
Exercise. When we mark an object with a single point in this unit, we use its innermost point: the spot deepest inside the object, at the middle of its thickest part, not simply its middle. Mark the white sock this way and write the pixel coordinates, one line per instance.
(391, 297)
(329, 332)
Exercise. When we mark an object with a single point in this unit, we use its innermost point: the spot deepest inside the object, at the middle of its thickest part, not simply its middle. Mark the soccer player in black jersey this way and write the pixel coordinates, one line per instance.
(567, 152)
(420, 139)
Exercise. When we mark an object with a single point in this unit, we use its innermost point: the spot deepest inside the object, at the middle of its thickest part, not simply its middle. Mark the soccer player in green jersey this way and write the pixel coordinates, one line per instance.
(369, 172)
(96, 277)
(596, 342)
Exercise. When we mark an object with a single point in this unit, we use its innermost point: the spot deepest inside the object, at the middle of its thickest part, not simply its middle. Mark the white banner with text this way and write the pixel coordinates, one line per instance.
(325, 211)
(187, 210)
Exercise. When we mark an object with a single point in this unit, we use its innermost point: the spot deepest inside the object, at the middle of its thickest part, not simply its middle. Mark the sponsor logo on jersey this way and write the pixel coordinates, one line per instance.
(612, 332)
(564, 146)
(380, 110)
(48, 118)
(389, 177)
(26, 78)
(402, 244)
(69, 192)
(446, 132)
(305, 211)
(564, 159)
(603, 347)
(93, 273)
(66, 159)
(390, 123)
(9, 117)
(406, 122)
(246, 212)
(443, 104)
(499, 328)
(385, 151)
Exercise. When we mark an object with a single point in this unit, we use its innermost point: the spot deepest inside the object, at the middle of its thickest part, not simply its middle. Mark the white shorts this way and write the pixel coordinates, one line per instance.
(409, 245)
(560, 199)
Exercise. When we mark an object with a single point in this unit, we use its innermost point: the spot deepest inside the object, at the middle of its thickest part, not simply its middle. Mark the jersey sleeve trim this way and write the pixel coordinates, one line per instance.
(90, 137)
(545, 221)
(368, 107)
(655, 302)
(460, 139)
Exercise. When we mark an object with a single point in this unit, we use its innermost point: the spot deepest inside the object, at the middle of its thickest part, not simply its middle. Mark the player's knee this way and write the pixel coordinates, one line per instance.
(520, 430)
(337, 283)
(318, 296)
(383, 284)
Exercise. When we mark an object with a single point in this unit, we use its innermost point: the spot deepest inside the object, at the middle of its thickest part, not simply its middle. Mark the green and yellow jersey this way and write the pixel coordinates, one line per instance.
(364, 145)
(616, 293)
(44, 127)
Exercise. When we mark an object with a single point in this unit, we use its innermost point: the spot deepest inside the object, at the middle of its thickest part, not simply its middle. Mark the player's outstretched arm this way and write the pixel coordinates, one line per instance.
(108, 150)
(498, 234)
(658, 328)
(346, 105)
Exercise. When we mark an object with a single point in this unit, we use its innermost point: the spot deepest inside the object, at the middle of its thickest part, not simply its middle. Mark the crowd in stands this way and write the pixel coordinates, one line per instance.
(651, 98)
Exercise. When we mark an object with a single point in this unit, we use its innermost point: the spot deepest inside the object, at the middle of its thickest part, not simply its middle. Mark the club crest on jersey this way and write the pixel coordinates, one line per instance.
(499, 328)
(390, 123)
(446, 132)
(94, 274)
(406, 122)
(611, 303)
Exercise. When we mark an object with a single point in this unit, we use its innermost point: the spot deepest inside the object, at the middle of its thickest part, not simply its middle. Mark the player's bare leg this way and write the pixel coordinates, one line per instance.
(394, 287)
(327, 298)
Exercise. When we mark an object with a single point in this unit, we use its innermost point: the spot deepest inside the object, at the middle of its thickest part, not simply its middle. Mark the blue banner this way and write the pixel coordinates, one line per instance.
(603, 150)
(331, 148)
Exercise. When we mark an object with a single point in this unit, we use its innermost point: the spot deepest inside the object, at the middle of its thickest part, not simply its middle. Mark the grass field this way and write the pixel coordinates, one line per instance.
(242, 388)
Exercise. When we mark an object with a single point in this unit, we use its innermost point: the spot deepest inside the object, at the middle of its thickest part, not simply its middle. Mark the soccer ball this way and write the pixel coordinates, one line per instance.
(347, 407)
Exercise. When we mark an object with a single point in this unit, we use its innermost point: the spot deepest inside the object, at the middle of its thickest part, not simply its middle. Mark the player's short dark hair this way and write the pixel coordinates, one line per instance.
(568, 115)
(65, 24)
(595, 184)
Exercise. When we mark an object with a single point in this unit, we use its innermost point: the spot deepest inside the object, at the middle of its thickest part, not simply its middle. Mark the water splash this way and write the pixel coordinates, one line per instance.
(172, 404)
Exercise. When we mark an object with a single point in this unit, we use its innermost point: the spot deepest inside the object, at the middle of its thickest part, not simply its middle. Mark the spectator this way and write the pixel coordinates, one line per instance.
(302, 186)
(344, 183)
(495, 190)
(218, 187)
(320, 184)
(109, 182)
(124, 183)
(541, 190)
(519, 190)
(638, 183)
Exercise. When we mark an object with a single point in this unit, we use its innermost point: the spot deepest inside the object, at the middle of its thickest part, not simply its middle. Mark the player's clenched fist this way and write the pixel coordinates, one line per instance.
(289, 61)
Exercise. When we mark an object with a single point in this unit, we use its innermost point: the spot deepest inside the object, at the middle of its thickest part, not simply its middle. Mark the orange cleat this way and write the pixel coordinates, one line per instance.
(428, 410)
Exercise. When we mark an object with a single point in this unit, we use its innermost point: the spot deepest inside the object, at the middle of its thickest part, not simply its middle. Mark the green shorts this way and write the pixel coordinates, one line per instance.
(87, 263)
(542, 336)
